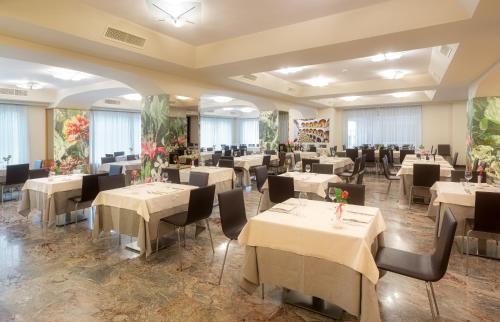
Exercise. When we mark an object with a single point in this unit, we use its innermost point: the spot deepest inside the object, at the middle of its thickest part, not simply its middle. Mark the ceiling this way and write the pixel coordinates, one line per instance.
(223, 19)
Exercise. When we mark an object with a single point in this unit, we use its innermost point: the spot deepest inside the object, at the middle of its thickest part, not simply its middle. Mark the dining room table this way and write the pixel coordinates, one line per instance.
(136, 211)
(222, 178)
(340, 164)
(246, 162)
(50, 196)
(300, 246)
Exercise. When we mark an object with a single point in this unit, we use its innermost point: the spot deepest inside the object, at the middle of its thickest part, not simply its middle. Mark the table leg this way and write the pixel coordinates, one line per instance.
(313, 304)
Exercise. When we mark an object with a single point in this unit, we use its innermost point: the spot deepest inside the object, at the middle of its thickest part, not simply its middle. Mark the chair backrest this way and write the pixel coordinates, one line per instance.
(17, 173)
(425, 175)
(385, 163)
(486, 212)
(118, 154)
(280, 188)
(359, 179)
(444, 149)
(37, 164)
(107, 160)
(173, 175)
(215, 158)
(323, 168)
(115, 169)
(356, 192)
(210, 149)
(403, 153)
(333, 151)
(90, 186)
(457, 175)
(232, 212)
(475, 165)
(443, 245)
(305, 162)
(357, 165)
(111, 182)
(382, 153)
(109, 155)
(201, 203)
(227, 153)
(455, 159)
(226, 163)
(39, 173)
(218, 152)
(227, 157)
(266, 160)
(270, 152)
(260, 176)
(296, 157)
(351, 153)
(362, 163)
(130, 157)
(369, 154)
(199, 179)
(312, 148)
(282, 159)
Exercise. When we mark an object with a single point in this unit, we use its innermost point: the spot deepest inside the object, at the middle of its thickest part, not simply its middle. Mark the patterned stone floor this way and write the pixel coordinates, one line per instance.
(61, 275)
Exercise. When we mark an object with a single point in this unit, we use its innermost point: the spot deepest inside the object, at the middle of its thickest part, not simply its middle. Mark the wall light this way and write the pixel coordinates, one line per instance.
(182, 98)
(319, 81)
(290, 70)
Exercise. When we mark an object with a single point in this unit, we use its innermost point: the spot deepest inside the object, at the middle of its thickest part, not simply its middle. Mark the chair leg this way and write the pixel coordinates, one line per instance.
(389, 186)
(262, 290)
(224, 261)
(411, 198)
(184, 236)
(430, 301)
(467, 253)
(260, 200)
(2, 196)
(158, 236)
(180, 247)
(434, 298)
(210, 234)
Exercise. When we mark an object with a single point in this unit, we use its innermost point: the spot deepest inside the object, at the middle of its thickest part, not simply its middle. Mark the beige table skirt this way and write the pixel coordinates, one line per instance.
(404, 189)
(335, 283)
(50, 206)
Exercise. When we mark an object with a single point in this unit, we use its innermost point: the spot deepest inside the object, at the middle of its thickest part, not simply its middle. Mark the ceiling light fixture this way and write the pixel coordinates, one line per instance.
(228, 109)
(290, 70)
(393, 73)
(133, 97)
(319, 81)
(182, 98)
(247, 109)
(69, 74)
(177, 12)
(350, 98)
(401, 94)
(221, 99)
(387, 56)
(30, 85)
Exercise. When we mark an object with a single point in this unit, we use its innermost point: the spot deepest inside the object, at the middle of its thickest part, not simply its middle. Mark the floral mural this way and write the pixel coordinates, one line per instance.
(71, 140)
(269, 129)
(161, 134)
(483, 141)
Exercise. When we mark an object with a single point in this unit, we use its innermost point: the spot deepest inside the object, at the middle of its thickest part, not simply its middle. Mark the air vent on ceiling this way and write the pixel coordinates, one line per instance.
(112, 102)
(250, 77)
(124, 37)
(445, 50)
(13, 91)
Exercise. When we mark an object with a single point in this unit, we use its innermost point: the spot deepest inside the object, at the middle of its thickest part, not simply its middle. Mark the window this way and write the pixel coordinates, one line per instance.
(14, 138)
(384, 125)
(249, 131)
(114, 131)
(216, 131)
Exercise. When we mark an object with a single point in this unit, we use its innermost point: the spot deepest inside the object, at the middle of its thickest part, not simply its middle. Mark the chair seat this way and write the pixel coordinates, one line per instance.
(233, 232)
(405, 263)
(76, 199)
(345, 174)
(179, 219)
(393, 177)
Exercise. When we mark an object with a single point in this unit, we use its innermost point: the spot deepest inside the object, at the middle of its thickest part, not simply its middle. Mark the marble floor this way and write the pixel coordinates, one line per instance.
(61, 275)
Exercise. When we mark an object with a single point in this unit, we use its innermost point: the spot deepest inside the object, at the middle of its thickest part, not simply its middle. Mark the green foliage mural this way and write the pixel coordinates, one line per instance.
(161, 134)
(269, 129)
(483, 142)
(71, 140)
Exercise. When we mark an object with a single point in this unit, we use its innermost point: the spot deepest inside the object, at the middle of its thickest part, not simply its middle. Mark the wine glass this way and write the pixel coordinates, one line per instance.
(468, 175)
(308, 168)
(302, 200)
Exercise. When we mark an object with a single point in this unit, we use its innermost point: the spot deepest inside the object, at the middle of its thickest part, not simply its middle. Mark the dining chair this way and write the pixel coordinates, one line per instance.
(444, 150)
(232, 218)
(107, 160)
(458, 175)
(226, 163)
(280, 167)
(280, 188)
(90, 190)
(215, 158)
(198, 179)
(309, 162)
(322, 168)
(15, 176)
(485, 223)
(261, 177)
(312, 148)
(369, 158)
(227, 157)
(429, 267)
(349, 175)
(270, 152)
(37, 164)
(356, 192)
(173, 175)
(110, 182)
(201, 202)
(38, 173)
(115, 169)
(454, 160)
(403, 153)
(388, 174)
(333, 151)
(266, 160)
(118, 154)
(424, 176)
(109, 155)
(131, 157)
(352, 153)
(210, 149)
(361, 172)
(227, 153)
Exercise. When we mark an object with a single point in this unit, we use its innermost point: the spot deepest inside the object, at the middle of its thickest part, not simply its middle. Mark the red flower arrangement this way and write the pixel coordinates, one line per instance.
(150, 149)
(76, 129)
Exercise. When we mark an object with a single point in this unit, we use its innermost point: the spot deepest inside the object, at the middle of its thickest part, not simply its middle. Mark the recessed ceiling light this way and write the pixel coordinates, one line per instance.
(182, 98)
(247, 109)
(178, 23)
(377, 58)
(387, 56)
(30, 85)
(132, 97)
(319, 81)
(393, 73)
(228, 108)
(350, 98)
(221, 99)
(69, 74)
(290, 70)
(401, 94)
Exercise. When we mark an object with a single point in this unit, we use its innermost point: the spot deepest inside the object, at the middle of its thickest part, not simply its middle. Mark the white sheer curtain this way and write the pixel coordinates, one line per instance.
(249, 131)
(216, 131)
(14, 135)
(383, 125)
(114, 131)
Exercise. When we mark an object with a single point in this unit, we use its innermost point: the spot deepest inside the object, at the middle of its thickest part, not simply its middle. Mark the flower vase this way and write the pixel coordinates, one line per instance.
(338, 217)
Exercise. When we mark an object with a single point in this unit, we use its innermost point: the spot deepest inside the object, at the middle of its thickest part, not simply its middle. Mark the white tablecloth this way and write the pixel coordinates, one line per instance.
(215, 174)
(410, 160)
(311, 232)
(126, 166)
(248, 161)
(54, 184)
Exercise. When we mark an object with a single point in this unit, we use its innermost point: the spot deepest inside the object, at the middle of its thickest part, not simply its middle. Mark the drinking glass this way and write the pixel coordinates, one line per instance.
(308, 168)
(468, 175)
(302, 200)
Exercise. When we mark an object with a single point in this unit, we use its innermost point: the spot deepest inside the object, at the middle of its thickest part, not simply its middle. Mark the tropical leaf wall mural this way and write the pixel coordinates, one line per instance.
(483, 141)
(269, 129)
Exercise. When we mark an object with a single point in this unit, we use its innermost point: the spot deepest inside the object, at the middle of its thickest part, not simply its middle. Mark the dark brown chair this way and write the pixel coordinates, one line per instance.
(201, 202)
(403, 153)
(172, 175)
(352, 153)
(232, 217)
(424, 176)
(485, 223)
(270, 152)
(280, 188)
(111, 182)
(457, 175)
(444, 150)
(356, 192)
(369, 158)
(280, 167)
(198, 179)
(15, 176)
(215, 158)
(430, 267)
(115, 170)
(226, 163)
(322, 168)
(309, 162)
(266, 160)
(455, 159)
(261, 177)
(39, 173)
(118, 154)
(90, 189)
(361, 172)
(388, 174)
(348, 175)
(107, 160)
(131, 157)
